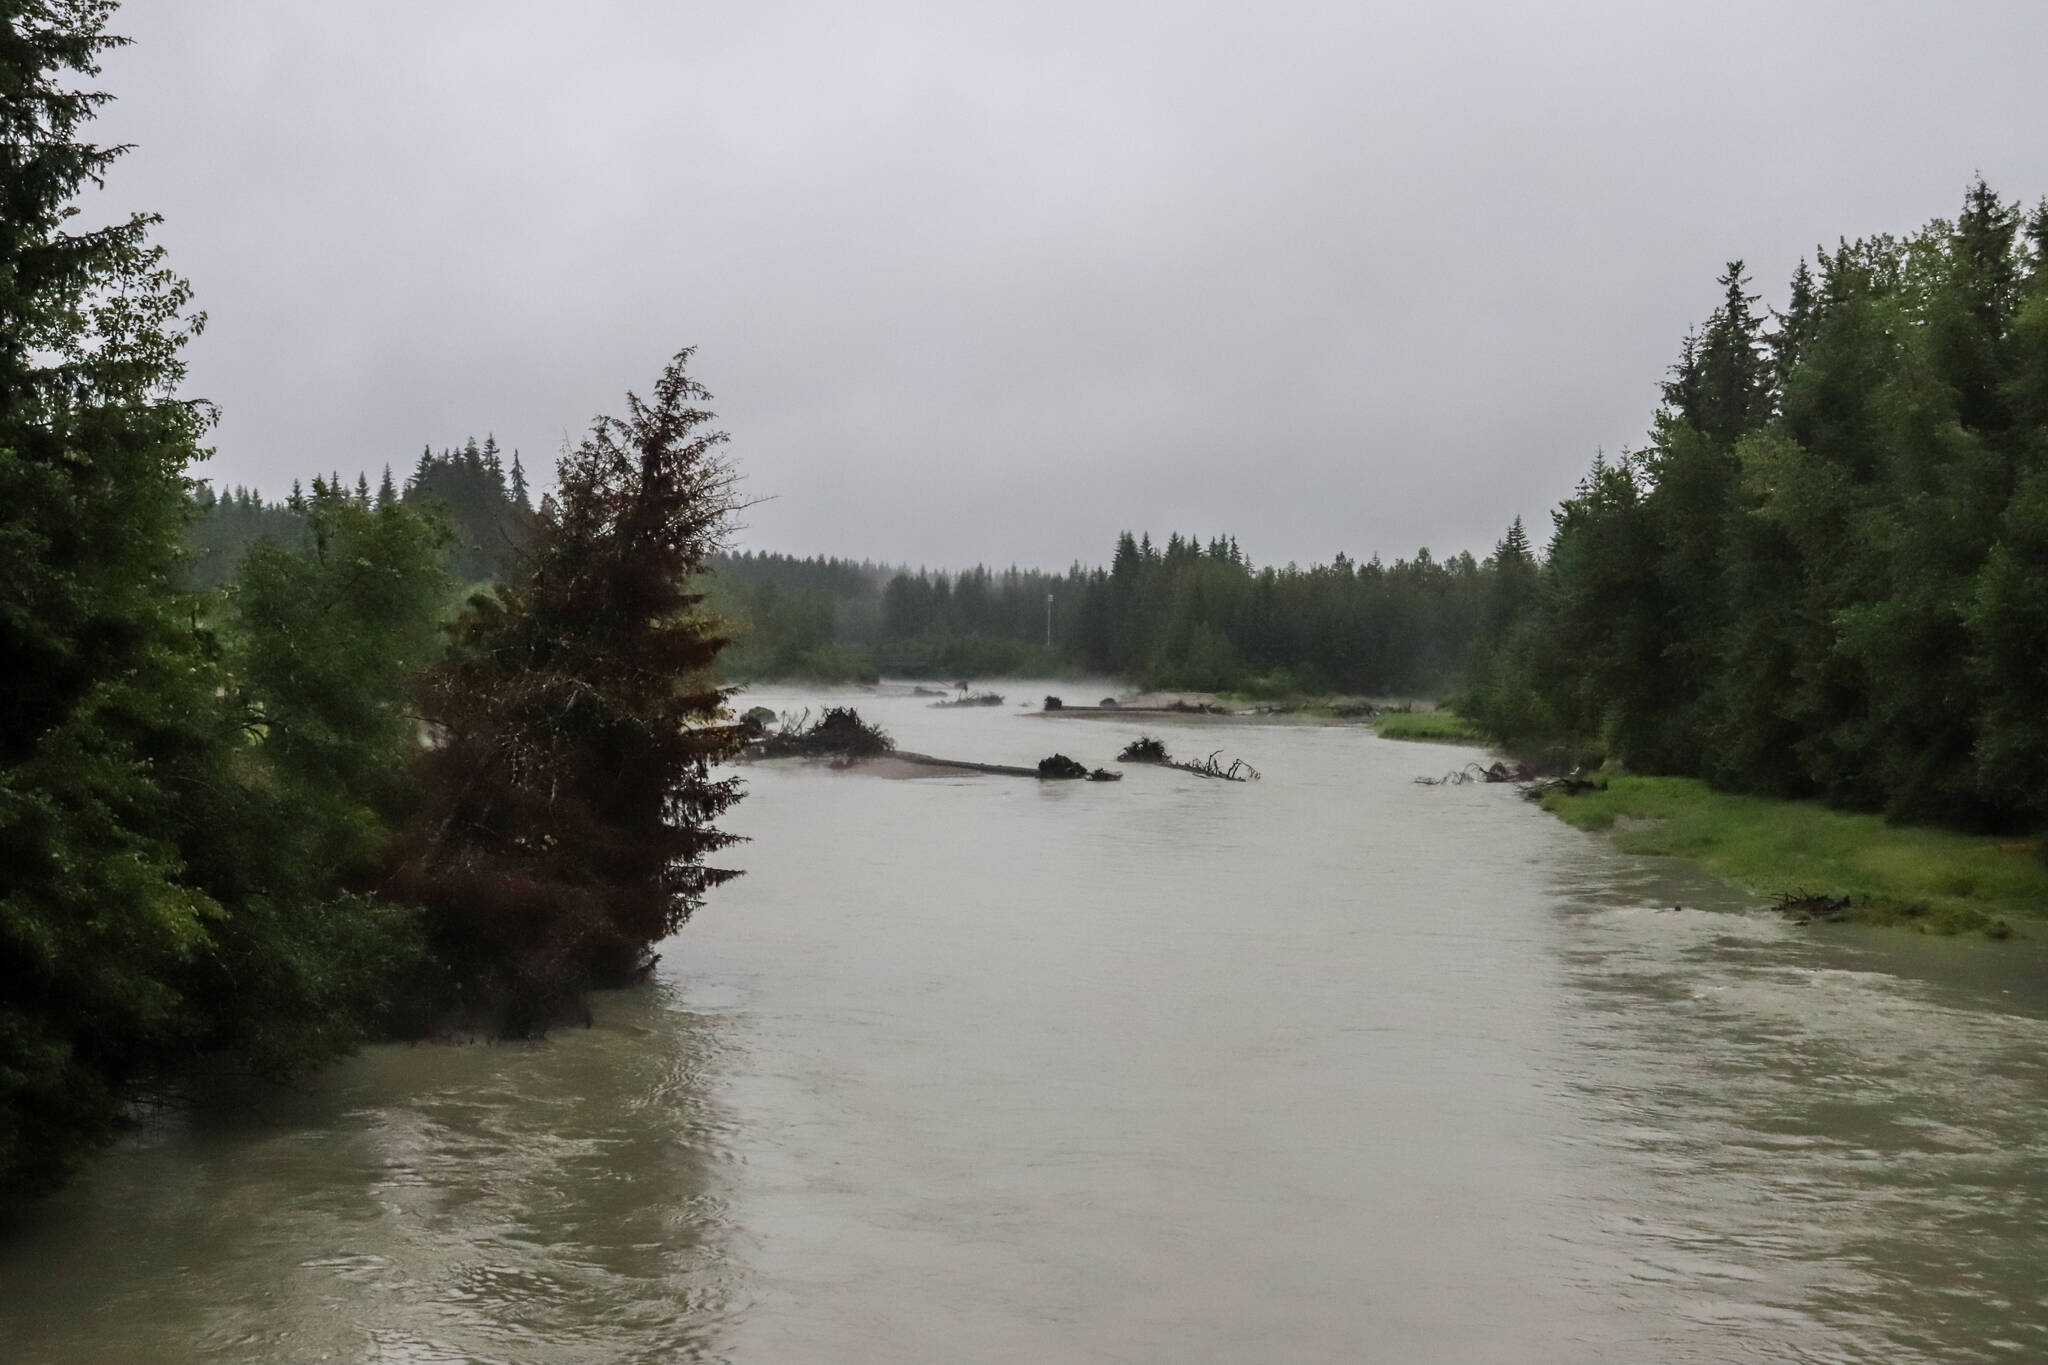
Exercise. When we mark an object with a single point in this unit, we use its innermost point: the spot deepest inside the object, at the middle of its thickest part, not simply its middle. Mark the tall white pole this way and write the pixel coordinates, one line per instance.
(1048, 620)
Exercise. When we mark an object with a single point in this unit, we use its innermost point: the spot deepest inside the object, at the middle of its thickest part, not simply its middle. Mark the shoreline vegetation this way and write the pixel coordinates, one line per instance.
(1861, 868)
(1907, 876)
(272, 785)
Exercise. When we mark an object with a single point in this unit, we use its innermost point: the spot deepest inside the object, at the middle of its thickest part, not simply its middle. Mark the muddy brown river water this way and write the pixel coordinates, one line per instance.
(1324, 1068)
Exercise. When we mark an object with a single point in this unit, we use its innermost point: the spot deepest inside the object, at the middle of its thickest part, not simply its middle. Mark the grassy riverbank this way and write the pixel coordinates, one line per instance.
(1931, 880)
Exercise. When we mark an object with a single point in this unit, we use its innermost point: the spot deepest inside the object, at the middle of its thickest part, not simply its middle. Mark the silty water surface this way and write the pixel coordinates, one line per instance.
(1327, 1067)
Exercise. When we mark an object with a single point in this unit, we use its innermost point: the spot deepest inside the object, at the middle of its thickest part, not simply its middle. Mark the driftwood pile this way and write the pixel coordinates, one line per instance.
(1477, 772)
(840, 733)
(1238, 771)
(1146, 749)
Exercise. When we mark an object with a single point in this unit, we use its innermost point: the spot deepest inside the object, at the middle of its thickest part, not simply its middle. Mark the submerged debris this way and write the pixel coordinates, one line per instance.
(1144, 749)
(1105, 775)
(1062, 767)
(1197, 708)
(974, 699)
(1477, 772)
(1809, 907)
(1238, 771)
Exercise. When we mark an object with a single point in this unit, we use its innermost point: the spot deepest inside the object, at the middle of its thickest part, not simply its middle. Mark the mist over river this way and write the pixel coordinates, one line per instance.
(1327, 1067)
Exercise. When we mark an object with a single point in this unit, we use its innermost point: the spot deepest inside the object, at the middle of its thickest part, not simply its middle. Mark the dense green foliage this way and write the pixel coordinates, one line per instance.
(223, 526)
(102, 714)
(215, 782)
(319, 648)
(1827, 572)
(189, 810)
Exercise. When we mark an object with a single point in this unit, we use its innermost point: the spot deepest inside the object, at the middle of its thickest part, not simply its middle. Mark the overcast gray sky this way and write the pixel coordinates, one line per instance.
(990, 282)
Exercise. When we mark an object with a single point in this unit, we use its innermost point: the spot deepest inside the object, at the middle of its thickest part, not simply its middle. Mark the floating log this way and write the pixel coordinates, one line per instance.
(999, 769)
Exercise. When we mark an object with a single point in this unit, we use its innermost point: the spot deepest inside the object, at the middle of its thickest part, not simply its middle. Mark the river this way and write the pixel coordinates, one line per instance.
(1327, 1067)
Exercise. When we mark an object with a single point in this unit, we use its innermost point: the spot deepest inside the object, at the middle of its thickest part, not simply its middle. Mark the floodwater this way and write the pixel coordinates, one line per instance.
(1329, 1067)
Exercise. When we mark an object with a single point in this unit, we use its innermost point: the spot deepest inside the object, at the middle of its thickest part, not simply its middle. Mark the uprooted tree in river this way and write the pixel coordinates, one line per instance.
(1237, 770)
(569, 792)
(838, 733)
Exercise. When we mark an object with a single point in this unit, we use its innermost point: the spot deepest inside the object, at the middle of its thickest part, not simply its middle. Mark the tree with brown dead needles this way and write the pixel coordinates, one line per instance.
(569, 788)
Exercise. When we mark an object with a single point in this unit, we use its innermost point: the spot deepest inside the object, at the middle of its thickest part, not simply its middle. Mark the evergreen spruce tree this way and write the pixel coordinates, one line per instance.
(571, 800)
(101, 683)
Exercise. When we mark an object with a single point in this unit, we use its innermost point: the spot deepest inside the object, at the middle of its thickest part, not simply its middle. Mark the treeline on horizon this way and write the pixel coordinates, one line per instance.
(1185, 614)
(271, 781)
(483, 505)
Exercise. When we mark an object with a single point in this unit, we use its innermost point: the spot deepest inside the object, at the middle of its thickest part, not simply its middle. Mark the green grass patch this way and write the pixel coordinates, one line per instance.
(1932, 880)
(1443, 726)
